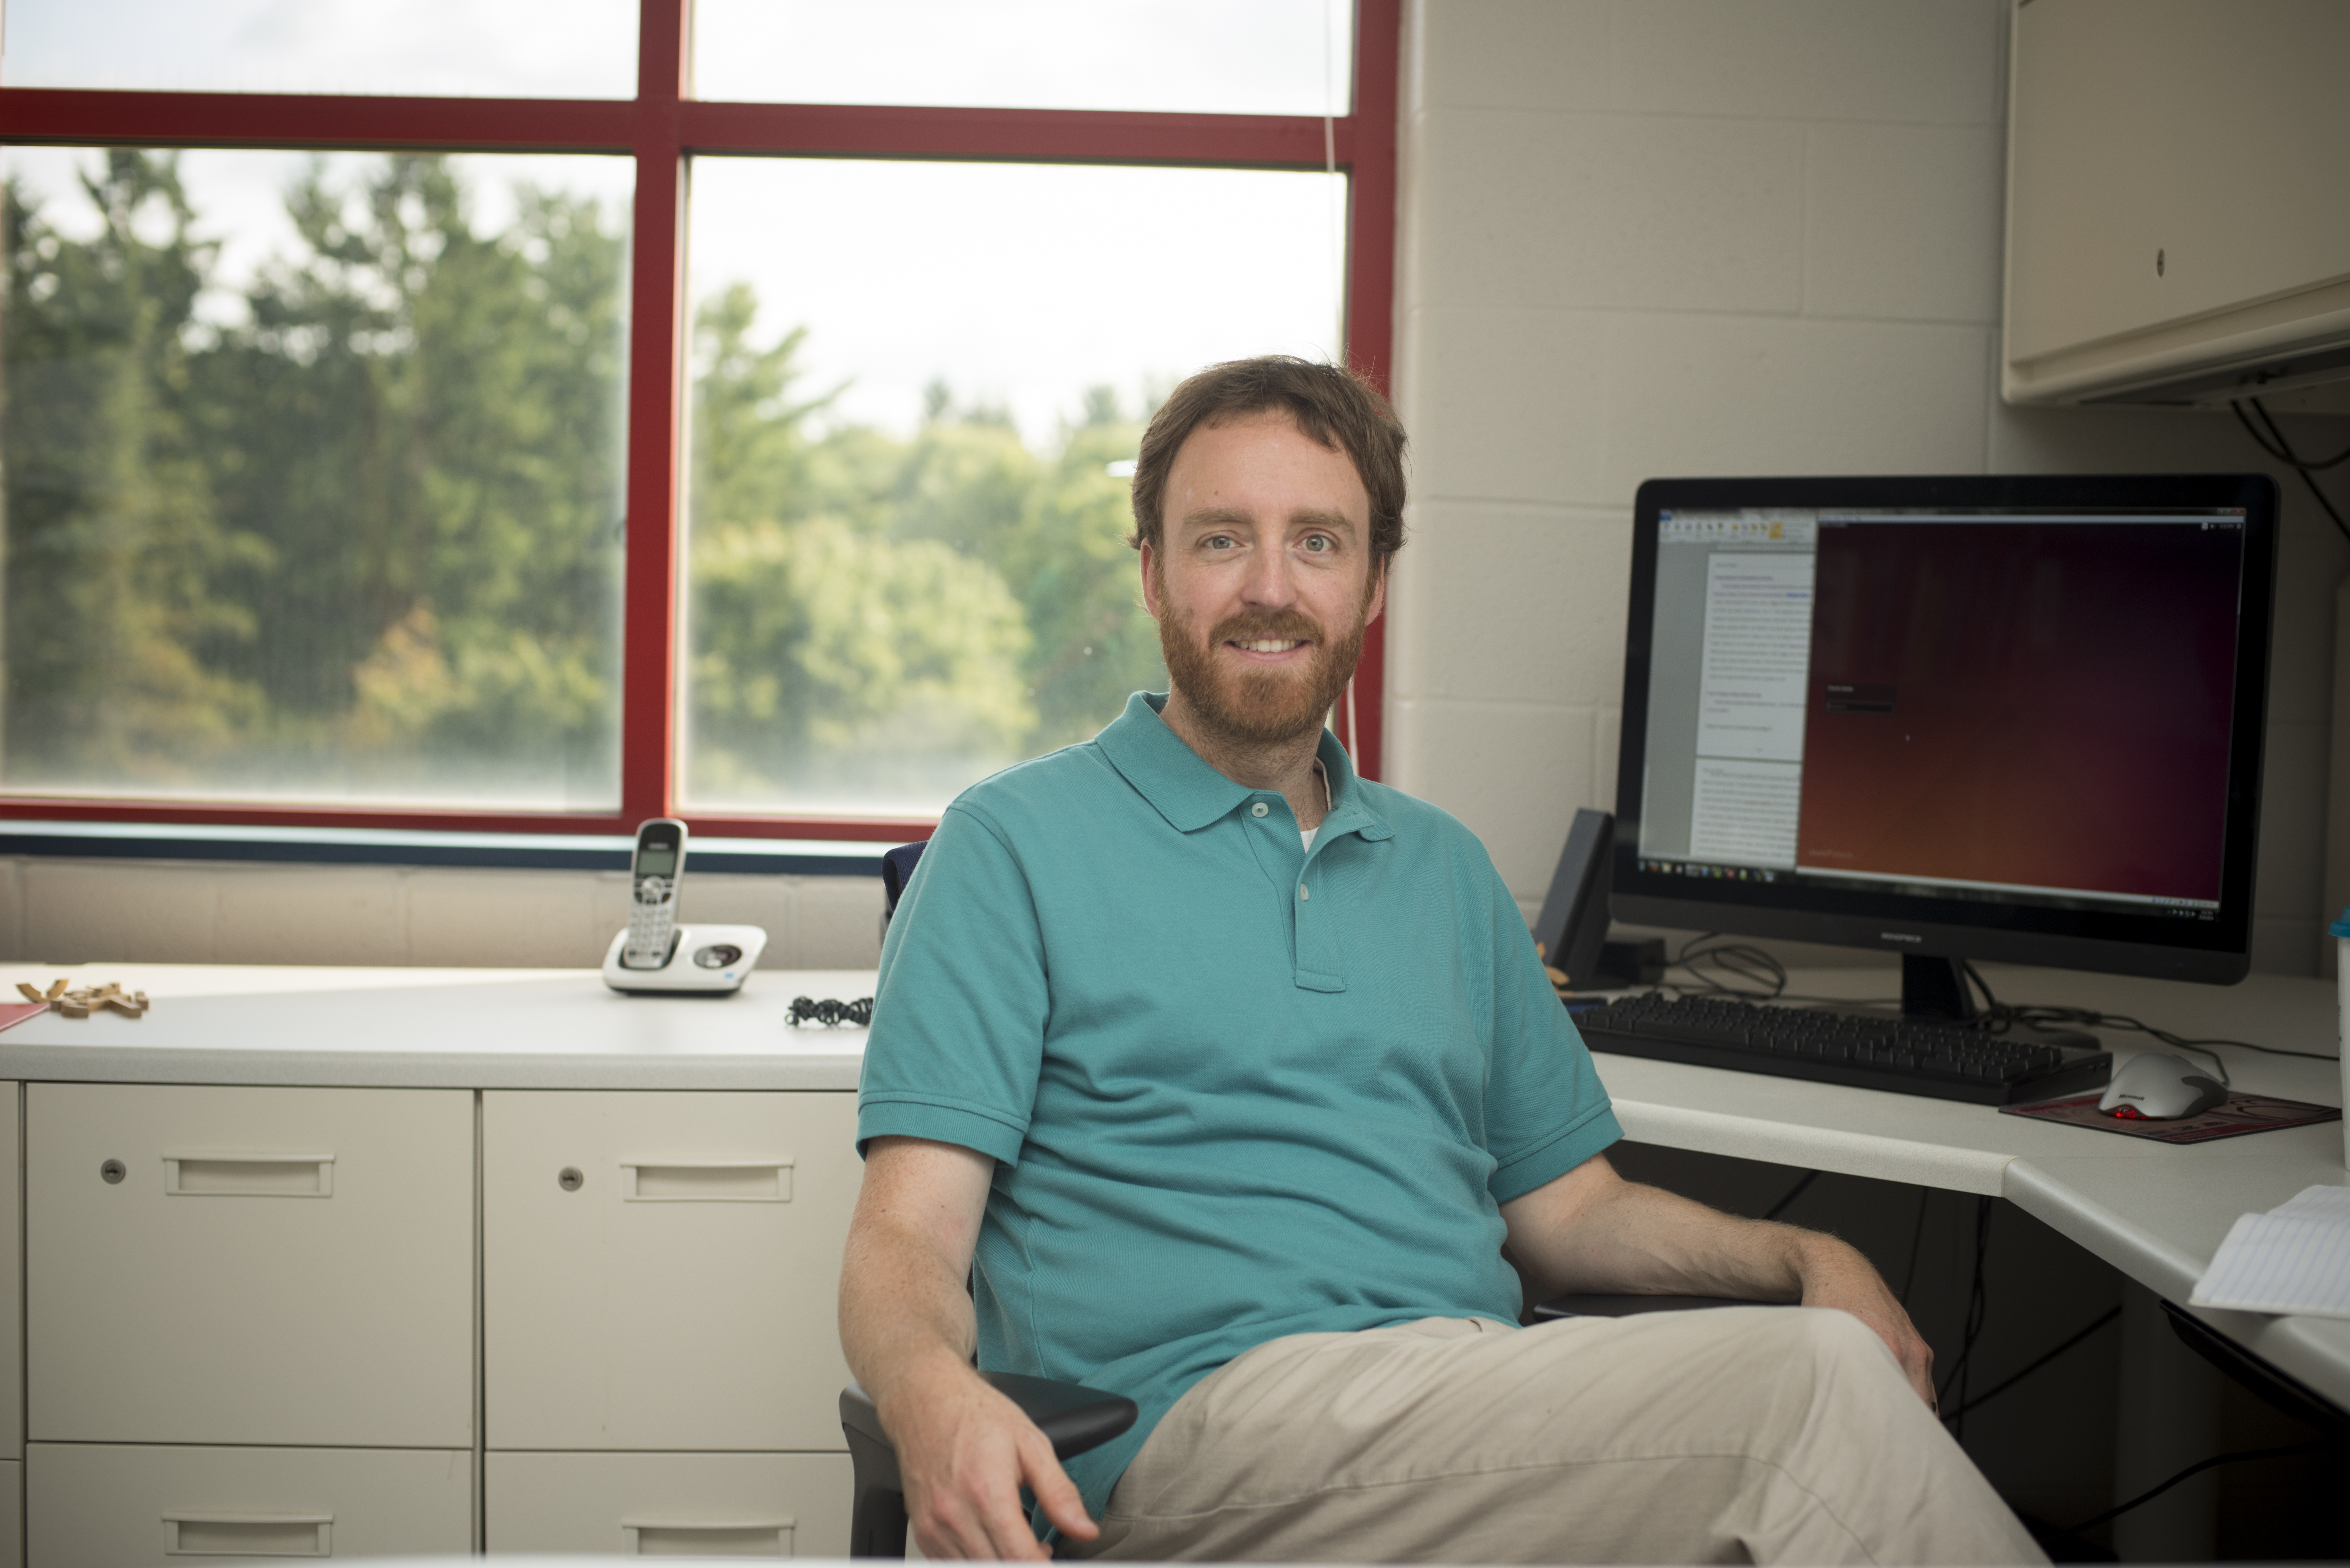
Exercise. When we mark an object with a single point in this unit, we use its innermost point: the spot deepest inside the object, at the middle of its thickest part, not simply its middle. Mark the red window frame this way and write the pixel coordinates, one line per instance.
(661, 128)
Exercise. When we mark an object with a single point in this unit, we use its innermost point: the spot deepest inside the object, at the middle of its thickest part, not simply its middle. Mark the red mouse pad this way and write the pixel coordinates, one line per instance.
(2232, 1117)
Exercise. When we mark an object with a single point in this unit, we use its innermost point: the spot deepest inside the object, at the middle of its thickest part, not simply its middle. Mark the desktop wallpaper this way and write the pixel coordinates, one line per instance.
(2045, 705)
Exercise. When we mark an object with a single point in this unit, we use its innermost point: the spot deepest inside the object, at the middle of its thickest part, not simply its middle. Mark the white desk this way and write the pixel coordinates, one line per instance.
(2155, 1212)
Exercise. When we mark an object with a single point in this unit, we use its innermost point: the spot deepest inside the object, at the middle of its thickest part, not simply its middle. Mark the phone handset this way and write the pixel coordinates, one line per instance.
(654, 872)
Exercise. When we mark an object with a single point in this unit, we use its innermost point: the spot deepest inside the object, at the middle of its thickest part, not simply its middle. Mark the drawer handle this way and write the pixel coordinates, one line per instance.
(706, 1181)
(248, 1535)
(706, 1538)
(248, 1175)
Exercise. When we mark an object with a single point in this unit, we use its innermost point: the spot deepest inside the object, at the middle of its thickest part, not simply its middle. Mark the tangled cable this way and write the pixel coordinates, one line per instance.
(829, 1012)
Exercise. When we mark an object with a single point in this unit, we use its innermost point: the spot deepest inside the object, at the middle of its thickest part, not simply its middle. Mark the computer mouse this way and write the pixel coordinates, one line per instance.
(2157, 1086)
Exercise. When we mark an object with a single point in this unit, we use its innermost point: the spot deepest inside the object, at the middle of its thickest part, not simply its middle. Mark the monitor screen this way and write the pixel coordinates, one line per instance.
(2012, 718)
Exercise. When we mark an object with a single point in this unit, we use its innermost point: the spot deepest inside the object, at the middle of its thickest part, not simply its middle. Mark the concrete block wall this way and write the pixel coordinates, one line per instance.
(65, 911)
(1642, 238)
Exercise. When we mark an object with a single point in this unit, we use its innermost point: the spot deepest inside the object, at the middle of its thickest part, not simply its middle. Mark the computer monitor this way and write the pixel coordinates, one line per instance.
(2011, 718)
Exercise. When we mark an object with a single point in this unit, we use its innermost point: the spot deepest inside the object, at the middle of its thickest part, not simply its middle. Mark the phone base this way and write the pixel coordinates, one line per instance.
(709, 959)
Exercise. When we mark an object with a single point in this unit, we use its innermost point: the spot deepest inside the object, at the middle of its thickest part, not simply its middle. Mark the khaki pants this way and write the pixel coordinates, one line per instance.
(1728, 1435)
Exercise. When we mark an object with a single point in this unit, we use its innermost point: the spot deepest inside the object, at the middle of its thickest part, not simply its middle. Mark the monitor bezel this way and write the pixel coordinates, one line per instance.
(2217, 951)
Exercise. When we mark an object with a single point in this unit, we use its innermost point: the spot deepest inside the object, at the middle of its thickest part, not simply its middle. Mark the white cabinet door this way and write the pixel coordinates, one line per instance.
(89, 1503)
(12, 1295)
(669, 1505)
(254, 1265)
(659, 1269)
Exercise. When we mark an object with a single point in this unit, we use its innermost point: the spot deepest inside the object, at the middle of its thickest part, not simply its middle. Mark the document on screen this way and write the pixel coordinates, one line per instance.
(1750, 705)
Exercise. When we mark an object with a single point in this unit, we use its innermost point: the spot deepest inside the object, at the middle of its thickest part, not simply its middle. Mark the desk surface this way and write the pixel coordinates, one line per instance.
(2155, 1211)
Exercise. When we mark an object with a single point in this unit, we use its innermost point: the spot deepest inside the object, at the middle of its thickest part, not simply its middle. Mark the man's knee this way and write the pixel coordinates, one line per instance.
(1818, 1353)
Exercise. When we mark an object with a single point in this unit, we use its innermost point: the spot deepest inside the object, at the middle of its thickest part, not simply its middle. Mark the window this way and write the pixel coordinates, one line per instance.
(382, 460)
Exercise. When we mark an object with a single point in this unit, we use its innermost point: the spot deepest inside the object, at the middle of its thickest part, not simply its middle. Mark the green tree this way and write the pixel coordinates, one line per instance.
(831, 653)
(110, 609)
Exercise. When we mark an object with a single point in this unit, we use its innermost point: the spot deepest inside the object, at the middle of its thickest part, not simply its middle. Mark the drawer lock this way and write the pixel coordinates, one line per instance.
(112, 1171)
(569, 1180)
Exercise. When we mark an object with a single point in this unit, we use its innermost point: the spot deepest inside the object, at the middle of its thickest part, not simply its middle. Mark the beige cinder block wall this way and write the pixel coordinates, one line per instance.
(71, 910)
(1685, 237)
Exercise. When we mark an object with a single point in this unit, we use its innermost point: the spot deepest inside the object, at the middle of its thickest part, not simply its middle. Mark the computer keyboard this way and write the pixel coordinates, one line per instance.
(1946, 1061)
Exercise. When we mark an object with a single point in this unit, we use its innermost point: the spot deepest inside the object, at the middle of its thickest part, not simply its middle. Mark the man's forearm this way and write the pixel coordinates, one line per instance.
(1644, 1240)
(1591, 1230)
(903, 1313)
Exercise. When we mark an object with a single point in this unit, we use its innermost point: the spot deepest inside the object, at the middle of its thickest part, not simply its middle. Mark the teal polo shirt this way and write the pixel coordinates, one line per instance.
(1233, 1089)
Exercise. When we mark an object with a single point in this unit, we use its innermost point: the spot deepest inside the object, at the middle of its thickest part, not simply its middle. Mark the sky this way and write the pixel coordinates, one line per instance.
(1017, 286)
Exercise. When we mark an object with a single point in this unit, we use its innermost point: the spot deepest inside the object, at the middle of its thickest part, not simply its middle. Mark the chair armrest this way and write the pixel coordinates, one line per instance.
(1073, 1416)
(1624, 1306)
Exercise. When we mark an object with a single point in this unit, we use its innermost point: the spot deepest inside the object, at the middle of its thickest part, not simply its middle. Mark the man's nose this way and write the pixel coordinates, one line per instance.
(1271, 581)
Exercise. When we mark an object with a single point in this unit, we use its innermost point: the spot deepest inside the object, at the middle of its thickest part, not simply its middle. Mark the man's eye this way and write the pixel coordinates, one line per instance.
(1215, 542)
(1319, 543)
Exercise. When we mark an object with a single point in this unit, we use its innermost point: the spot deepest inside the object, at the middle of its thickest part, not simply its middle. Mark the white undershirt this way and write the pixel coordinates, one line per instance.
(1306, 834)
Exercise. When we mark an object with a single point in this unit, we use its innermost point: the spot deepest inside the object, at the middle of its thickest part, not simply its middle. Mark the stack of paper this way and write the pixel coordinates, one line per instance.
(2294, 1258)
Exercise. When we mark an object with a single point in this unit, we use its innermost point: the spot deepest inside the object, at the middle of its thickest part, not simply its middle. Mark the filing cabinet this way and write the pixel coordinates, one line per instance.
(256, 1266)
(661, 1269)
(124, 1504)
(658, 1505)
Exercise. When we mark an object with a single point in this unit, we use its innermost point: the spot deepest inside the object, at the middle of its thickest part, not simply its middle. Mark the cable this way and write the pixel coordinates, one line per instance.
(1792, 1193)
(2001, 1016)
(2283, 450)
(2013, 1379)
(1977, 1308)
(2282, 453)
(2150, 1495)
(1917, 1244)
(1741, 960)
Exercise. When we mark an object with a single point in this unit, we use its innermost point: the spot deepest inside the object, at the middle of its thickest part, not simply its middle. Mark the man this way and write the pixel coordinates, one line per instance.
(1236, 1074)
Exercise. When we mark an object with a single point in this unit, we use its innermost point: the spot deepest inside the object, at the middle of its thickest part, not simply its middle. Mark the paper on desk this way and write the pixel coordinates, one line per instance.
(2294, 1259)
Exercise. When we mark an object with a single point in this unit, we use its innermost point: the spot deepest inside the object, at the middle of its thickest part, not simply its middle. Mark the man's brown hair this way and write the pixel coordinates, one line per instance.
(1332, 406)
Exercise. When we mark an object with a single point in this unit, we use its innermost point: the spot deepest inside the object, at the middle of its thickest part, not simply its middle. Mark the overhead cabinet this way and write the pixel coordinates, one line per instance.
(2176, 226)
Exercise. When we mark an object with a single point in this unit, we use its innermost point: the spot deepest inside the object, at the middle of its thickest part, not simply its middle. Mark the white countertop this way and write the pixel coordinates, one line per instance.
(427, 1028)
(2157, 1211)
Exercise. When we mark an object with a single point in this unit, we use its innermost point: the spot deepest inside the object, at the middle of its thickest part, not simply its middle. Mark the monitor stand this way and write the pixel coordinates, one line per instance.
(1937, 987)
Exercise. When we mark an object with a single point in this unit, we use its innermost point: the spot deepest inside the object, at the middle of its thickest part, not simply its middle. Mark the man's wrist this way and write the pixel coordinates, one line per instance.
(923, 1375)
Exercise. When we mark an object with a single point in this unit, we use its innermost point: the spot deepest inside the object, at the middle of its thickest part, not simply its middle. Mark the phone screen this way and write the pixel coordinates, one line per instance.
(656, 862)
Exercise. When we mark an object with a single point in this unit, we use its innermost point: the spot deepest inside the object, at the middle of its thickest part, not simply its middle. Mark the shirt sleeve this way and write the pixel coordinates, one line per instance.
(1546, 1110)
(958, 1017)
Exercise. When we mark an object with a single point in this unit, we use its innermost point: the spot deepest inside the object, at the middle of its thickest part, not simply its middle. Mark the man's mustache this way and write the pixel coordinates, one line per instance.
(1270, 625)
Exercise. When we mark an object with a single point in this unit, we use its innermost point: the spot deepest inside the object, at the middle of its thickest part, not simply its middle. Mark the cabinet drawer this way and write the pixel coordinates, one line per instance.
(12, 1295)
(225, 1265)
(669, 1505)
(122, 1505)
(676, 1290)
(11, 1514)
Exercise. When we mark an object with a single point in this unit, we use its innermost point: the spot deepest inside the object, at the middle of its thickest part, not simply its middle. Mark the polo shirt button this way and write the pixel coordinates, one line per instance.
(1259, 809)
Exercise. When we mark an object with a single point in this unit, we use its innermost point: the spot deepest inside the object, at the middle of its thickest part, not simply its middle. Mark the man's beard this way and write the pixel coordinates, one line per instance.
(1258, 707)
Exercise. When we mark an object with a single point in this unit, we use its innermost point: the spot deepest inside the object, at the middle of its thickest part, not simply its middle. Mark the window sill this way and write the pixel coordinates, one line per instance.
(395, 846)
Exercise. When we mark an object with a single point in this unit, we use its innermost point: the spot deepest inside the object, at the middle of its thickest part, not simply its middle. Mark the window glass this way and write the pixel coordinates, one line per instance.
(449, 48)
(917, 391)
(312, 475)
(1208, 56)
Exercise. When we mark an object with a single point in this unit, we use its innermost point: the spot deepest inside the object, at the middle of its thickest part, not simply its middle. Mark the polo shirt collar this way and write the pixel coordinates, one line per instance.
(1180, 785)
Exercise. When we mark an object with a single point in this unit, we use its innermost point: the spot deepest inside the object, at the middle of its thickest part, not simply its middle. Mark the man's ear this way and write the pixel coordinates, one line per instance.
(1378, 591)
(1149, 558)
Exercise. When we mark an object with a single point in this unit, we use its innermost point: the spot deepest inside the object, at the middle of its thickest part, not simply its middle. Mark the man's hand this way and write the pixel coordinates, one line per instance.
(1836, 1275)
(964, 1451)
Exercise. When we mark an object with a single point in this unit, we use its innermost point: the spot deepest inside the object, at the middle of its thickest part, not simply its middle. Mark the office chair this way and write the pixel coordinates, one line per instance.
(1073, 1416)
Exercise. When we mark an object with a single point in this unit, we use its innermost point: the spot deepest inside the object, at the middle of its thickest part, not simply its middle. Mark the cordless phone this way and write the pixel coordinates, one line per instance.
(654, 872)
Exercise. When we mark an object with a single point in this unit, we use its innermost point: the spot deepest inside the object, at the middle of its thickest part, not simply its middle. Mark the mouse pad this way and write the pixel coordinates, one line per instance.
(2233, 1117)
